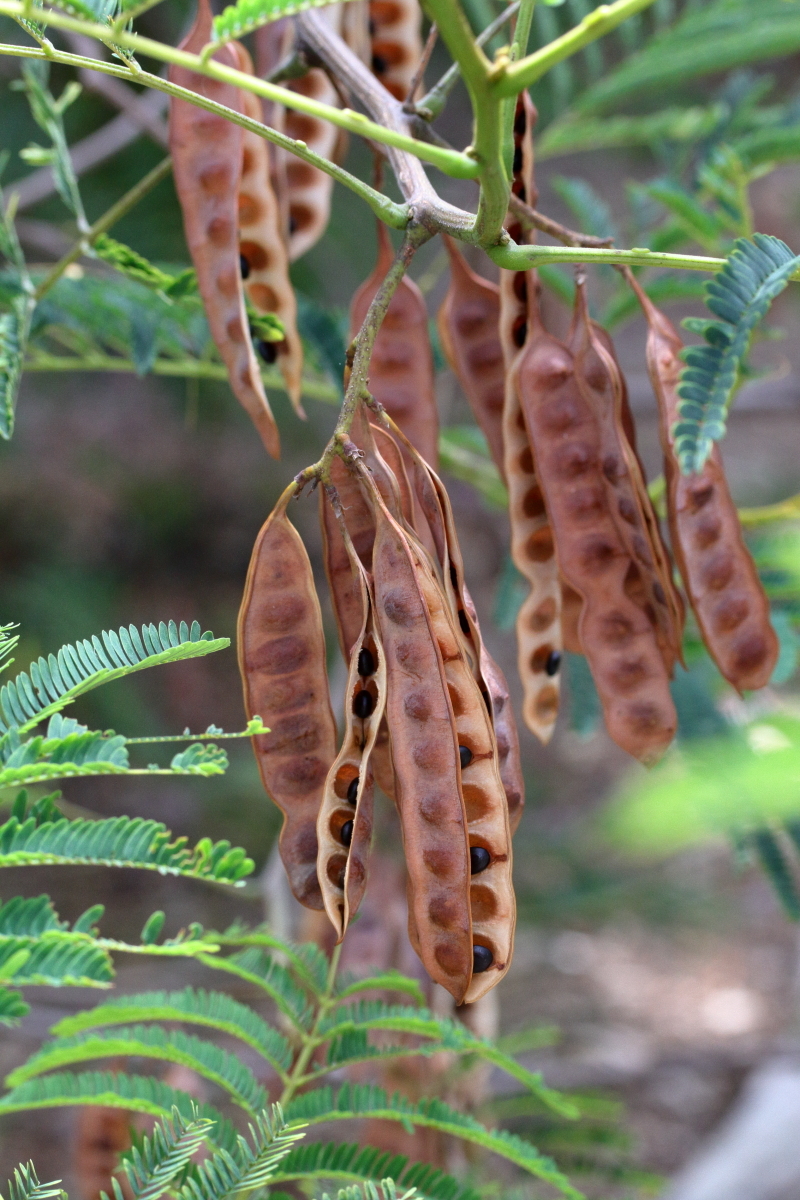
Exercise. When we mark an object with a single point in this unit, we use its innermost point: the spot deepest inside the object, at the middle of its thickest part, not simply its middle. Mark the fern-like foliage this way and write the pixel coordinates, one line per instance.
(26, 1186)
(135, 266)
(368, 1190)
(347, 1162)
(52, 683)
(213, 1010)
(246, 15)
(740, 295)
(250, 1165)
(12, 1007)
(152, 1166)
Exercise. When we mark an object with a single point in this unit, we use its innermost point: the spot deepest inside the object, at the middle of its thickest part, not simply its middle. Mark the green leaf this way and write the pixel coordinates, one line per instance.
(153, 927)
(604, 133)
(149, 1041)
(52, 683)
(48, 114)
(589, 207)
(345, 1161)
(152, 1166)
(214, 1010)
(352, 1102)
(135, 266)
(54, 960)
(246, 15)
(12, 1007)
(118, 842)
(26, 1186)
(14, 330)
(775, 864)
(465, 455)
(258, 968)
(251, 1165)
(740, 295)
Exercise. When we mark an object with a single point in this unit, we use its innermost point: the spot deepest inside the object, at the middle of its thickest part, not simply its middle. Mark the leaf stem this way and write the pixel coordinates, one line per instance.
(104, 223)
(311, 1039)
(432, 104)
(518, 76)
(521, 258)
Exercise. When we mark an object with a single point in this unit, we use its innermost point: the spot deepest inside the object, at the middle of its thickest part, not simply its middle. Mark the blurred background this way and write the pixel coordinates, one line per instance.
(666, 967)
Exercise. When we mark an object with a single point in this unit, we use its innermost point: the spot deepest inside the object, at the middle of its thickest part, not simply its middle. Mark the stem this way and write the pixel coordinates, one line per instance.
(521, 258)
(451, 162)
(784, 510)
(432, 104)
(488, 109)
(311, 1039)
(530, 218)
(522, 33)
(518, 76)
(109, 218)
(394, 215)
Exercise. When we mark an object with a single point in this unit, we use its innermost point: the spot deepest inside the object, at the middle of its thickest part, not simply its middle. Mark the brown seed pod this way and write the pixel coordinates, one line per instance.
(264, 264)
(507, 738)
(716, 567)
(396, 43)
(401, 373)
(344, 826)
(343, 583)
(282, 661)
(649, 581)
(571, 605)
(207, 165)
(617, 636)
(468, 327)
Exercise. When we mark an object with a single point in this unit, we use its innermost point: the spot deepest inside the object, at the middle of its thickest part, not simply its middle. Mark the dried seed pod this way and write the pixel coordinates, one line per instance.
(282, 661)
(468, 327)
(617, 636)
(571, 605)
(506, 736)
(426, 764)
(344, 584)
(716, 567)
(401, 373)
(355, 29)
(649, 581)
(207, 164)
(263, 260)
(396, 43)
(344, 827)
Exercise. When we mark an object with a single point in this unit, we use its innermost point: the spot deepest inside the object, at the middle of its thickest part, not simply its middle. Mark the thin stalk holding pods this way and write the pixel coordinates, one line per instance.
(430, 106)
(516, 77)
(522, 33)
(451, 162)
(521, 258)
(488, 115)
(530, 218)
(360, 353)
(394, 215)
(104, 223)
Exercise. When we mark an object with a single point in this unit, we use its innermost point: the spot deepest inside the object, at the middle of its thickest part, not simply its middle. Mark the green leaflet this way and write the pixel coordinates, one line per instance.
(246, 15)
(214, 1010)
(15, 327)
(25, 1185)
(150, 1167)
(129, 262)
(465, 455)
(12, 1007)
(250, 1164)
(345, 1161)
(150, 1041)
(54, 961)
(52, 683)
(354, 1101)
(596, 133)
(740, 295)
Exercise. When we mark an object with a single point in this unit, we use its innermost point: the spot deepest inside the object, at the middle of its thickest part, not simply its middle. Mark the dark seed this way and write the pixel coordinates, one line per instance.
(292, 224)
(479, 859)
(244, 267)
(352, 790)
(366, 663)
(482, 959)
(517, 167)
(463, 622)
(465, 754)
(363, 705)
(346, 834)
(553, 662)
(267, 350)
(379, 64)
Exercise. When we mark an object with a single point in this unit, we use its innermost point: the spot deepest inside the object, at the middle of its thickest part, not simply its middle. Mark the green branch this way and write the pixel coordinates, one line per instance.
(518, 76)
(521, 258)
(451, 162)
(434, 101)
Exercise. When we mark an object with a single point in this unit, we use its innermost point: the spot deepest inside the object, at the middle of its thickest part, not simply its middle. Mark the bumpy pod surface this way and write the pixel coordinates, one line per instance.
(344, 827)
(343, 583)
(207, 165)
(617, 636)
(282, 661)
(396, 43)
(716, 567)
(649, 580)
(426, 765)
(401, 374)
(468, 327)
(263, 259)
(506, 737)
(491, 893)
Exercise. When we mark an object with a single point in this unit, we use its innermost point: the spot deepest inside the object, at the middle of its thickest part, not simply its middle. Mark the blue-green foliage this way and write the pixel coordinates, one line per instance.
(246, 15)
(152, 1165)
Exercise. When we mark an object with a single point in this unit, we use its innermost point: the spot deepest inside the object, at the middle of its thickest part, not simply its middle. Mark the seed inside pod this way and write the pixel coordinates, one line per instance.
(479, 859)
(363, 705)
(465, 755)
(352, 790)
(366, 663)
(268, 351)
(346, 833)
(553, 662)
(482, 959)
(244, 266)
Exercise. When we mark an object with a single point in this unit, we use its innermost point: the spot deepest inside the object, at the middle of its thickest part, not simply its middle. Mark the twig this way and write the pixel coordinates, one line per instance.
(417, 77)
(530, 218)
(431, 105)
(120, 94)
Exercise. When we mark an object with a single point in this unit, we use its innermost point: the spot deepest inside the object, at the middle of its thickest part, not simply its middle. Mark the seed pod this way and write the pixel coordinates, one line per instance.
(617, 636)
(571, 605)
(344, 827)
(716, 567)
(649, 581)
(468, 327)
(264, 265)
(401, 373)
(355, 29)
(507, 738)
(396, 43)
(207, 164)
(282, 661)
(344, 584)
